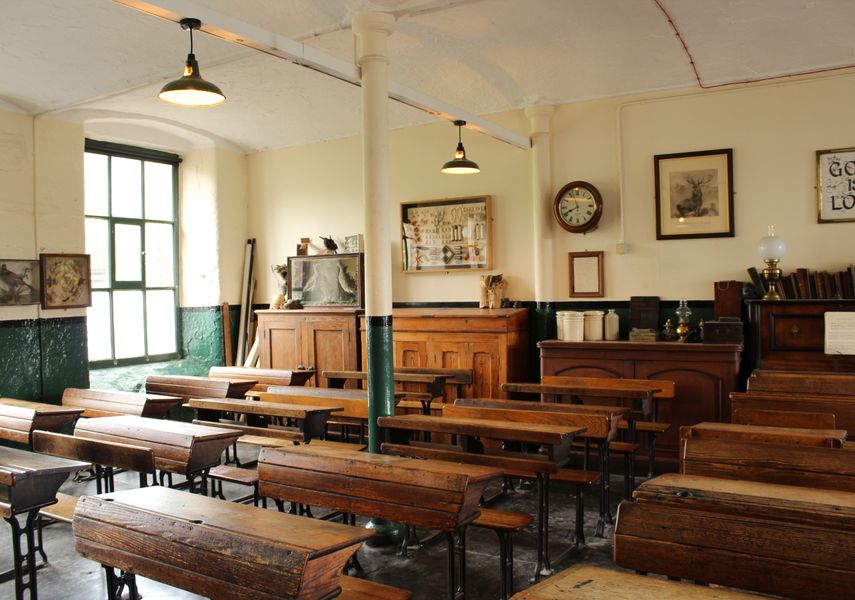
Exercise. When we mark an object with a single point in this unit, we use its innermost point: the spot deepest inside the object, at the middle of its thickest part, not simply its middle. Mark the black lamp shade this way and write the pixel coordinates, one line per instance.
(460, 165)
(191, 89)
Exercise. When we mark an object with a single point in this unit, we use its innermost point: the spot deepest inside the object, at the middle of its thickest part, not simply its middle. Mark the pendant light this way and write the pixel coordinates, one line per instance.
(191, 89)
(460, 165)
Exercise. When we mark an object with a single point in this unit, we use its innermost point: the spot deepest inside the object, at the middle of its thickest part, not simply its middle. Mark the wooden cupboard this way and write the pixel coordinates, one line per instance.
(704, 375)
(790, 335)
(493, 343)
(314, 339)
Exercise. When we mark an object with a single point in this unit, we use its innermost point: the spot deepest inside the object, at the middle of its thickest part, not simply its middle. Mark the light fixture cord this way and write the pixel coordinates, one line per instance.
(191, 40)
(459, 134)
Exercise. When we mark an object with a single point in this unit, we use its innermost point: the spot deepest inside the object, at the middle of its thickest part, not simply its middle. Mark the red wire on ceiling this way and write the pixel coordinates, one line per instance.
(705, 86)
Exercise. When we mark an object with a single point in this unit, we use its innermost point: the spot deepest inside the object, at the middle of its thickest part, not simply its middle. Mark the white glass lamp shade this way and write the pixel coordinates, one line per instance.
(771, 247)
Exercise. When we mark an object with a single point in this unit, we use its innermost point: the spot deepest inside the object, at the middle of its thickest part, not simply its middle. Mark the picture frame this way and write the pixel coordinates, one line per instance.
(694, 194)
(835, 185)
(586, 274)
(66, 280)
(451, 234)
(20, 282)
(327, 280)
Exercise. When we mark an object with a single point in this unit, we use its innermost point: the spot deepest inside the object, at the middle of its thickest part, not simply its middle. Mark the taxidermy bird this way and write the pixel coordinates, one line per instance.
(330, 246)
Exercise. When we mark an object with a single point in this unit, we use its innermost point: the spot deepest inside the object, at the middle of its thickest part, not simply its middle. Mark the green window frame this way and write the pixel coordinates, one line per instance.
(115, 264)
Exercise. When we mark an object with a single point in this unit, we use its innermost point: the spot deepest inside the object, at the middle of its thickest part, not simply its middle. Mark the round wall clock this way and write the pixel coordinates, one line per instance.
(578, 207)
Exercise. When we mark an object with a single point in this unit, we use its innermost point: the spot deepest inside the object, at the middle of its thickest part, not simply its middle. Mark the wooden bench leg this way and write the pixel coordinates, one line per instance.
(506, 564)
(580, 515)
(543, 566)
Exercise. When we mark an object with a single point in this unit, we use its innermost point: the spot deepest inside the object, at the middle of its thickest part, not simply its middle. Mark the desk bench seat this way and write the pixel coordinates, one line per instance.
(504, 524)
(353, 588)
(63, 510)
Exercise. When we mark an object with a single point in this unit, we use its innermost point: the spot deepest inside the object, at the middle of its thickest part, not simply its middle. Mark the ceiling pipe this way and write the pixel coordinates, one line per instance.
(244, 34)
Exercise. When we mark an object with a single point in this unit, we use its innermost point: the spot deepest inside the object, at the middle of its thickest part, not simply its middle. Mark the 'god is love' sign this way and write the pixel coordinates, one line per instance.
(835, 185)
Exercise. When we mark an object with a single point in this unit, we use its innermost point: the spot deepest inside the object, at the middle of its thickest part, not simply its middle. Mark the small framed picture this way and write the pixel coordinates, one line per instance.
(835, 185)
(66, 280)
(586, 274)
(694, 194)
(19, 282)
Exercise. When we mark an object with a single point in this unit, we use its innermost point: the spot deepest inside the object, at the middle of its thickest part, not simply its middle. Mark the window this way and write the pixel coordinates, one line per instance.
(130, 208)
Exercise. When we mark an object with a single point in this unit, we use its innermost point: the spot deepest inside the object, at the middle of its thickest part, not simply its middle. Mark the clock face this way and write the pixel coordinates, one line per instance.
(578, 207)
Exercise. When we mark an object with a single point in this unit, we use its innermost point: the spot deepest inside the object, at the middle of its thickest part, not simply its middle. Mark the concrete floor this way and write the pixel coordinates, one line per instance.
(71, 577)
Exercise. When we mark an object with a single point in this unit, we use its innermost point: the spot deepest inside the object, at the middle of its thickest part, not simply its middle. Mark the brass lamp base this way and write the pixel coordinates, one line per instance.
(772, 274)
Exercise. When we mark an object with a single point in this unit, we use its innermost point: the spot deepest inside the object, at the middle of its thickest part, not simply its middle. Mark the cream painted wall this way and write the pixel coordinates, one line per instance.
(773, 129)
(232, 227)
(17, 204)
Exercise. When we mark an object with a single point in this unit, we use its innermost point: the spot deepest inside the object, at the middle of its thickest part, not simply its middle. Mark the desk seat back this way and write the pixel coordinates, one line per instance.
(783, 418)
(356, 408)
(16, 423)
(187, 387)
(842, 407)
(107, 403)
(786, 464)
(424, 493)
(825, 384)
(108, 454)
(264, 377)
(596, 426)
(667, 390)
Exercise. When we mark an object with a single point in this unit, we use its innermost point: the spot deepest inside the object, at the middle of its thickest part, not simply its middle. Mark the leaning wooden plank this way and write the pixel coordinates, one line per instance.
(218, 549)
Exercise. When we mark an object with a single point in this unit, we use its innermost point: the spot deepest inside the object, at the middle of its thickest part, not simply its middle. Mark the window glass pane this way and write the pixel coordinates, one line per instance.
(159, 265)
(160, 319)
(128, 252)
(128, 323)
(98, 327)
(95, 184)
(126, 187)
(97, 247)
(158, 191)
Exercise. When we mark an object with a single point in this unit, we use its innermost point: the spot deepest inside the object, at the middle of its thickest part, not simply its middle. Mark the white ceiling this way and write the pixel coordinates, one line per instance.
(84, 58)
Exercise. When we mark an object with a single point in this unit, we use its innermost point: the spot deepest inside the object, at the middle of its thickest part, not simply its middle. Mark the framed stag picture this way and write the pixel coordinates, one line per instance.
(327, 280)
(694, 194)
(19, 282)
(452, 234)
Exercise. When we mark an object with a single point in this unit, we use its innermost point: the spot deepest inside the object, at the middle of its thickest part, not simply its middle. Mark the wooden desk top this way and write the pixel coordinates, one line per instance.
(720, 495)
(549, 435)
(597, 583)
(214, 548)
(29, 480)
(592, 409)
(256, 407)
(396, 376)
(41, 408)
(616, 390)
(296, 390)
(178, 447)
(190, 385)
(782, 435)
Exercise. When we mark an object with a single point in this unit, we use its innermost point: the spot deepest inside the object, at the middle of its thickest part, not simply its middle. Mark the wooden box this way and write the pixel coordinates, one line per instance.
(725, 331)
(790, 541)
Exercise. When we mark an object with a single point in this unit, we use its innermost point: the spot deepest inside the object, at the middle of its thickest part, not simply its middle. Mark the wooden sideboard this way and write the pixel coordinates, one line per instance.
(493, 343)
(790, 335)
(704, 375)
(323, 340)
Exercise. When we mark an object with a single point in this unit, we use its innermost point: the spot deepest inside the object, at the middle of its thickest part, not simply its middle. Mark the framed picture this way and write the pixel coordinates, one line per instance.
(331, 280)
(19, 282)
(586, 274)
(66, 280)
(447, 235)
(835, 185)
(694, 194)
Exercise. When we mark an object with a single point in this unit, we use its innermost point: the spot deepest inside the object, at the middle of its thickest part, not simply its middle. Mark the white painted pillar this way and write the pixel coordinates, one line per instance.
(372, 32)
(541, 194)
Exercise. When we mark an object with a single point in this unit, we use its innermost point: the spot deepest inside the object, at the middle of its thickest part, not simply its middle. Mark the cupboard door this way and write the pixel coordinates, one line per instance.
(699, 392)
(282, 340)
(447, 355)
(486, 363)
(328, 346)
(410, 353)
